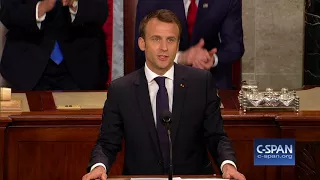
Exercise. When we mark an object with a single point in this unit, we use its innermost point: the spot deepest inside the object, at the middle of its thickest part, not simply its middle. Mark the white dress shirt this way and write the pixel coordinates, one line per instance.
(42, 18)
(153, 88)
(186, 8)
(187, 4)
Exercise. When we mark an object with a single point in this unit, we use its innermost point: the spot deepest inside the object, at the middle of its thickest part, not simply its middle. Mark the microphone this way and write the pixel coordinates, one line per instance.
(166, 121)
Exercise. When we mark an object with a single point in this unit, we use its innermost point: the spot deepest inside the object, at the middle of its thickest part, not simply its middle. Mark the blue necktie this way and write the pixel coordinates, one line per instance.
(162, 105)
(56, 54)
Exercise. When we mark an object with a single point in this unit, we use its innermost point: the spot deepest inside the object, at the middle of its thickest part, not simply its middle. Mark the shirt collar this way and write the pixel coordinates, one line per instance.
(188, 1)
(150, 75)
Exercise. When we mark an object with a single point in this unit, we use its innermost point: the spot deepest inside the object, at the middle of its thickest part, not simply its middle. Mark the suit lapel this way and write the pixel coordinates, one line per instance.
(203, 9)
(177, 6)
(143, 98)
(179, 91)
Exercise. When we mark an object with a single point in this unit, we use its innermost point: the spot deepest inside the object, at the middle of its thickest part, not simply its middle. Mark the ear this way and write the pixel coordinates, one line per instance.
(142, 44)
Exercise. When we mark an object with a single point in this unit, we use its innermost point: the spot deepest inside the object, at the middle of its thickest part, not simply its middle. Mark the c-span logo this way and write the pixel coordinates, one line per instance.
(274, 152)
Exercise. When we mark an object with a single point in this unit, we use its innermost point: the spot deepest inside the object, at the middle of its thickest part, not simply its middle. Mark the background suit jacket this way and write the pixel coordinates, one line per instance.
(216, 19)
(196, 125)
(28, 48)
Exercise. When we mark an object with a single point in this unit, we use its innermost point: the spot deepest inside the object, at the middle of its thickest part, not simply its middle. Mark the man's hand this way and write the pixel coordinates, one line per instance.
(229, 171)
(208, 63)
(45, 6)
(70, 4)
(198, 57)
(97, 173)
(67, 2)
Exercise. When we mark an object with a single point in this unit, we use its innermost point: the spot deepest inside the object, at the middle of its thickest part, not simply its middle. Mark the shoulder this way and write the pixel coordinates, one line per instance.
(235, 3)
(192, 73)
(126, 81)
(230, 4)
(197, 77)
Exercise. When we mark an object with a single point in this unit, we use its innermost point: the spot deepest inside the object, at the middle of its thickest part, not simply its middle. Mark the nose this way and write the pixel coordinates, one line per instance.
(163, 46)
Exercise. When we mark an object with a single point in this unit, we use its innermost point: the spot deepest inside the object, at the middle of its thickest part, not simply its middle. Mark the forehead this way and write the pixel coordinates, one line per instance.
(157, 27)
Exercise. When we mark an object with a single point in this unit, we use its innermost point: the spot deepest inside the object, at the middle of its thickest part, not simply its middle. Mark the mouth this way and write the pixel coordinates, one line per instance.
(163, 57)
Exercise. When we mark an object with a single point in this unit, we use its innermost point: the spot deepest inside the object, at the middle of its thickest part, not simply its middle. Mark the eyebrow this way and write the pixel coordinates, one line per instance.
(169, 37)
(172, 37)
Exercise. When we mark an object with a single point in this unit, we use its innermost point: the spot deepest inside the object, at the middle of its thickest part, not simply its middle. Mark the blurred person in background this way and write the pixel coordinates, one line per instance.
(54, 44)
(212, 34)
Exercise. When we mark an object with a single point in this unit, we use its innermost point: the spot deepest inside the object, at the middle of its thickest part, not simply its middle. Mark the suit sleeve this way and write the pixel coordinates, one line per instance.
(111, 133)
(218, 143)
(17, 14)
(91, 12)
(231, 34)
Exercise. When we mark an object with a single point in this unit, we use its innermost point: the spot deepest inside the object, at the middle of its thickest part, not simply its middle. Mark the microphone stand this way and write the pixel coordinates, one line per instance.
(166, 120)
(170, 147)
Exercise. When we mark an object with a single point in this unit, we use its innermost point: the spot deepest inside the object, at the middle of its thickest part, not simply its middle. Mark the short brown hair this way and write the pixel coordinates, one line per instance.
(163, 15)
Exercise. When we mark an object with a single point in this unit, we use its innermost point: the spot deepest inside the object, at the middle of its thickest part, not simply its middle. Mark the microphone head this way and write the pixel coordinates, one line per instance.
(166, 117)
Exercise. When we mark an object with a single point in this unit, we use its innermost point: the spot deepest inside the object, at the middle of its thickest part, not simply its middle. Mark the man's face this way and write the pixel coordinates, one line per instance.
(160, 44)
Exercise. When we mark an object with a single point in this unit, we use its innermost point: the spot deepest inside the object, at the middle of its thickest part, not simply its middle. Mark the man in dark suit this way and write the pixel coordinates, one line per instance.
(212, 35)
(54, 44)
(135, 103)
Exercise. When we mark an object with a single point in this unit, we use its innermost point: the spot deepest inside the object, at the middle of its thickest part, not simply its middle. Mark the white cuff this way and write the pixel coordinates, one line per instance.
(98, 164)
(177, 57)
(215, 60)
(72, 12)
(74, 4)
(39, 19)
(214, 64)
(227, 162)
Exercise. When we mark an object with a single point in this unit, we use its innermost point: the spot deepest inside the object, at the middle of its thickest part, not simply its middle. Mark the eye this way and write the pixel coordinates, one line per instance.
(171, 40)
(155, 39)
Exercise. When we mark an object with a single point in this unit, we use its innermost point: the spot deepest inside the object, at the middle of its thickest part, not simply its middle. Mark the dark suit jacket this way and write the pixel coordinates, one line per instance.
(196, 125)
(215, 19)
(28, 48)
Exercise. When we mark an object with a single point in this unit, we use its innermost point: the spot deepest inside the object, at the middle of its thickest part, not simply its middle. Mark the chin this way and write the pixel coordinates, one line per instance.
(164, 65)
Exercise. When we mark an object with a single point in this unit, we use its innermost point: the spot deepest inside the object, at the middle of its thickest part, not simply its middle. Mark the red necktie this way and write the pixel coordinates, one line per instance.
(191, 18)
